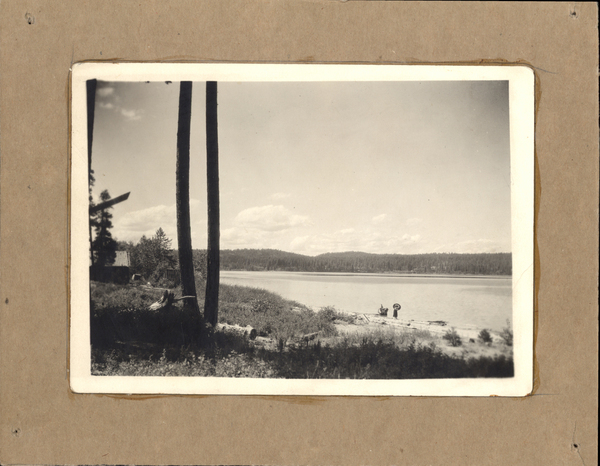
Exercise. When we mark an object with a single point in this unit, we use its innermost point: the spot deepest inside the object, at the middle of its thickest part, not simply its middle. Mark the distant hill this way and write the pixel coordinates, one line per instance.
(362, 262)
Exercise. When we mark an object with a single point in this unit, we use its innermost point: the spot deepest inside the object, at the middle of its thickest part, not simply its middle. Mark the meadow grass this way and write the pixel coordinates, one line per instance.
(128, 339)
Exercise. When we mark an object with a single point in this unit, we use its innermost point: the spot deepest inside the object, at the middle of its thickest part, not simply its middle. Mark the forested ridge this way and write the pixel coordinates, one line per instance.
(361, 262)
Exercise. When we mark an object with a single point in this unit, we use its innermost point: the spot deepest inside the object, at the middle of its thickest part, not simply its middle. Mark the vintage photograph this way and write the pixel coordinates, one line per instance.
(301, 229)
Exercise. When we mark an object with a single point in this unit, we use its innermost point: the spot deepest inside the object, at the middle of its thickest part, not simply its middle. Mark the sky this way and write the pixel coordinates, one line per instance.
(310, 168)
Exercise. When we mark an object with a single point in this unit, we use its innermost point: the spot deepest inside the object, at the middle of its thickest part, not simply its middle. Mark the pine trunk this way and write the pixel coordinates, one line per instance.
(184, 231)
(212, 172)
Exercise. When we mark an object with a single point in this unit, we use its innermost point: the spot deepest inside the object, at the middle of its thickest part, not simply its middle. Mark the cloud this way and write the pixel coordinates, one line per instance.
(379, 218)
(475, 246)
(262, 227)
(239, 237)
(279, 196)
(132, 226)
(269, 218)
(350, 239)
(131, 115)
(105, 91)
(109, 100)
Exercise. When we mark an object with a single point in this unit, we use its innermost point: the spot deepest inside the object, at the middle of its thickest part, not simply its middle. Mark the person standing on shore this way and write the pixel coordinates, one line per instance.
(396, 309)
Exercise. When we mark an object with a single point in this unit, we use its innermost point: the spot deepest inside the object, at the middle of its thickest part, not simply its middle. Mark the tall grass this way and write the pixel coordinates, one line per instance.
(271, 315)
(128, 339)
(382, 360)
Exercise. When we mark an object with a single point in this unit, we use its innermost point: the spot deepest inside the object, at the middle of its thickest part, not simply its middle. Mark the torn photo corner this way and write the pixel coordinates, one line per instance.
(291, 229)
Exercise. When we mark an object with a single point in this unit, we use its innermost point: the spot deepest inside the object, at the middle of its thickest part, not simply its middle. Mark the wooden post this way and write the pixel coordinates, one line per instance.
(211, 302)
(184, 232)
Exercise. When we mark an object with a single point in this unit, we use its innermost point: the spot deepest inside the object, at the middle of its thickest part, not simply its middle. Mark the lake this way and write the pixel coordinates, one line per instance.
(459, 300)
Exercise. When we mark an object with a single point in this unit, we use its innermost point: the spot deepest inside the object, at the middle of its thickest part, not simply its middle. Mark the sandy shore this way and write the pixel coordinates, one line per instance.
(426, 332)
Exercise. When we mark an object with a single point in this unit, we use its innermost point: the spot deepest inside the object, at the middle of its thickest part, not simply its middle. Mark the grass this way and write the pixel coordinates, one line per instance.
(127, 339)
(271, 315)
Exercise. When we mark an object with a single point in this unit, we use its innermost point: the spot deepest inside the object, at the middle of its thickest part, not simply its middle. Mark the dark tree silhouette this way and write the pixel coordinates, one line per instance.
(184, 232)
(91, 105)
(104, 247)
(151, 257)
(212, 172)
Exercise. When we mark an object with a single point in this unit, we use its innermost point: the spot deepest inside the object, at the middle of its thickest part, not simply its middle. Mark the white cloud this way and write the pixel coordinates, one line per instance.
(131, 115)
(105, 91)
(350, 239)
(279, 196)
(475, 246)
(107, 105)
(270, 218)
(379, 218)
(133, 225)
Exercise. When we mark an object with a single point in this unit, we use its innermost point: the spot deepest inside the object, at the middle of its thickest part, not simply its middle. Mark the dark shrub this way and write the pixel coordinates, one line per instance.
(485, 336)
(453, 338)
(507, 334)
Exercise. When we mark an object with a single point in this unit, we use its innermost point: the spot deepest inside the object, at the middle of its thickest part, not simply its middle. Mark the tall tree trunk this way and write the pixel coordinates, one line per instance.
(184, 231)
(211, 302)
(90, 87)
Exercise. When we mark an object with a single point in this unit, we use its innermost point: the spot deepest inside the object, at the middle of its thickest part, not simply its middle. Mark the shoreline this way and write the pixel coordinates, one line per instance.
(426, 333)
(370, 274)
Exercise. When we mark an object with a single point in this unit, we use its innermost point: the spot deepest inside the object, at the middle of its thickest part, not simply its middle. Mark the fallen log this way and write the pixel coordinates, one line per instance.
(308, 337)
(164, 303)
(303, 339)
(247, 331)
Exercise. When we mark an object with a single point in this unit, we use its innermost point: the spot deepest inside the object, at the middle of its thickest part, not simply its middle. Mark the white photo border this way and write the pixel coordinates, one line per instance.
(521, 109)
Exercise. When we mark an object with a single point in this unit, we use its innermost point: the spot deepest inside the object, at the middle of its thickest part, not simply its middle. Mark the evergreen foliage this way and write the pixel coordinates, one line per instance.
(152, 257)
(104, 247)
(360, 262)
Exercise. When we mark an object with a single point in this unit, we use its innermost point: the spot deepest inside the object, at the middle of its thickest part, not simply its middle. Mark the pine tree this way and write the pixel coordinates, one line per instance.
(163, 255)
(104, 247)
(182, 194)
(211, 301)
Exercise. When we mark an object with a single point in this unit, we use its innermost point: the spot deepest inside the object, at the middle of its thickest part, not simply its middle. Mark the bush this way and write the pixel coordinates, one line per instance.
(485, 336)
(453, 337)
(507, 334)
(271, 315)
(327, 314)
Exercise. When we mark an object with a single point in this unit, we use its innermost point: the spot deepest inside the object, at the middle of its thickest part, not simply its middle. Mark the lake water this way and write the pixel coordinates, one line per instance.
(461, 301)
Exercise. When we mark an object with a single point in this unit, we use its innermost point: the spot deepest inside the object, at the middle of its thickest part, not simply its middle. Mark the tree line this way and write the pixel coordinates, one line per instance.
(155, 260)
(360, 262)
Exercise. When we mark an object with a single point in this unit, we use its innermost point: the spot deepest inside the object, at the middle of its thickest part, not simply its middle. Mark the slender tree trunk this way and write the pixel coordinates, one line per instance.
(211, 301)
(184, 231)
(90, 87)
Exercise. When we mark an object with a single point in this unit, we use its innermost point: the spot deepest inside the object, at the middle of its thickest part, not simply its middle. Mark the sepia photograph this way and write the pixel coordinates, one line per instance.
(355, 230)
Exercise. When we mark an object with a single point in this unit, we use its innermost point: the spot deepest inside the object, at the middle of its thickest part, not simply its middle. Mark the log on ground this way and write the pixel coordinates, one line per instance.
(247, 331)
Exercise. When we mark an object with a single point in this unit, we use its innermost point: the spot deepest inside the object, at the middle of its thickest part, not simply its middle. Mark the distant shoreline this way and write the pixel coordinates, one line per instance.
(389, 274)
(353, 262)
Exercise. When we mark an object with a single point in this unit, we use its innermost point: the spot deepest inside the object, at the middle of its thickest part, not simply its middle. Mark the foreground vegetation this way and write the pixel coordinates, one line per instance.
(292, 342)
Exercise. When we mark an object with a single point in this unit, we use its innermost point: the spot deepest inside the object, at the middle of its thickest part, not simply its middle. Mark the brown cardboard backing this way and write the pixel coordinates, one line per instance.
(41, 422)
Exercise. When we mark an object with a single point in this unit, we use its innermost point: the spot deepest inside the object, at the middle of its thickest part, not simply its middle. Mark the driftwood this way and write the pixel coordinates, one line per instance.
(164, 303)
(309, 337)
(303, 339)
(237, 330)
